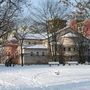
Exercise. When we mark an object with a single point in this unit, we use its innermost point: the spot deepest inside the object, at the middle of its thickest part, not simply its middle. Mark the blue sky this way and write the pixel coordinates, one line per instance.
(35, 2)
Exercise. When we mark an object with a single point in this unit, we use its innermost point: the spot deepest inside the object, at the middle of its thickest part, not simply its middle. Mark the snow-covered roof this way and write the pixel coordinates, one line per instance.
(39, 46)
(70, 35)
(35, 36)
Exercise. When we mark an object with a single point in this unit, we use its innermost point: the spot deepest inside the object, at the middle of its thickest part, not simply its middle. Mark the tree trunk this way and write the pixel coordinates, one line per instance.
(22, 53)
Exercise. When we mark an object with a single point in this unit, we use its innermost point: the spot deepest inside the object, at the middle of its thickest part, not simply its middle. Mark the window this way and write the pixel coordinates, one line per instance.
(29, 42)
(64, 49)
(31, 53)
(37, 53)
(34, 43)
(69, 49)
(74, 49)
(43, 54)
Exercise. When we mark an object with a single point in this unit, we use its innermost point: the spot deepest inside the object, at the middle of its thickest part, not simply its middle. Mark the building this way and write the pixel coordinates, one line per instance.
(10, 50)
(35, 49)
(35, 54)
(70, 46)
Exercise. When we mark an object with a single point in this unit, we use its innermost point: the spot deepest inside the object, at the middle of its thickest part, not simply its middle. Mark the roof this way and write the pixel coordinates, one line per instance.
(69, 35)
(35, 36)
(68, 29)
(39, 46)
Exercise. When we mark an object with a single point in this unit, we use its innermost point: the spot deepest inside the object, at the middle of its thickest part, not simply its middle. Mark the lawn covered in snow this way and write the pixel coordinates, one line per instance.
(43, 77)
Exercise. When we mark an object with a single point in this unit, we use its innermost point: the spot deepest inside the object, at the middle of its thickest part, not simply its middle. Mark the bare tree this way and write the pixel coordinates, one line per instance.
(20, 34)
(80, 8)
(9, 12)
(50, 17)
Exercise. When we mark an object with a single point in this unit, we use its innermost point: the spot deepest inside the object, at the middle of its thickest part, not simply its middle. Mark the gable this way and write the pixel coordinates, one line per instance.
(67, 31)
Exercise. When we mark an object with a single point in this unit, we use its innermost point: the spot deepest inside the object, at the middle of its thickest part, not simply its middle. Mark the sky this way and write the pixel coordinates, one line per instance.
(35, 2)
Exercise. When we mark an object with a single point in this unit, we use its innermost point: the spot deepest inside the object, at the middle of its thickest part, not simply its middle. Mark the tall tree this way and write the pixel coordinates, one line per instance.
(50, 16)
(9, 12)
(20, 34)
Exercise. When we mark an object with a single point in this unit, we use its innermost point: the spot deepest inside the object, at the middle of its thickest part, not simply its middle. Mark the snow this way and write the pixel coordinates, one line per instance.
(35, 36)
(38, 46)
(69, 35)
(43, 77)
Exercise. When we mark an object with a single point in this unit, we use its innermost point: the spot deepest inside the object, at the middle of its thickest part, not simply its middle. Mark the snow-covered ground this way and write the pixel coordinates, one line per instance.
(43, 77)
